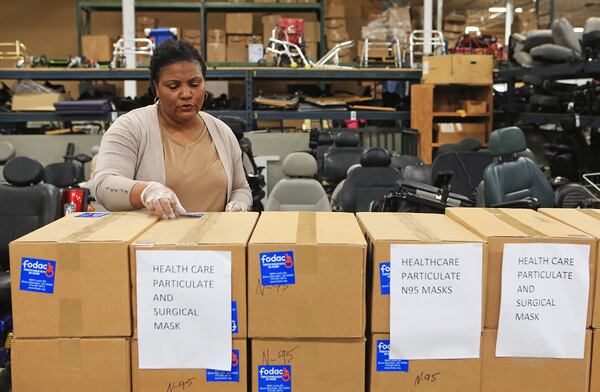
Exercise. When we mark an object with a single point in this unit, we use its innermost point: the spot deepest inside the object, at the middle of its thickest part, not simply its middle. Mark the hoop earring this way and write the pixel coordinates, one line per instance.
(206, 95)
(156, 100)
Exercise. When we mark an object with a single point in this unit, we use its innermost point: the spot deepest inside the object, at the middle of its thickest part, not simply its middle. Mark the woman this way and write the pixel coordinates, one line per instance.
(170, 157)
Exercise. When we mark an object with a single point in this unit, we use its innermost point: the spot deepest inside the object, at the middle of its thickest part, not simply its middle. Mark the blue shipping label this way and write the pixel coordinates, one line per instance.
(37, 275)
(384, 277)
(225, 376)
(384, 363)
(275, 378)
(234, 318)
(277, 268)
(92, 214)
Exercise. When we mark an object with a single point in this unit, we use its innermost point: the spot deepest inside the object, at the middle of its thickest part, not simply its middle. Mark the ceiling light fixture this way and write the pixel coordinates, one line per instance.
(578, 29)
(497, 9)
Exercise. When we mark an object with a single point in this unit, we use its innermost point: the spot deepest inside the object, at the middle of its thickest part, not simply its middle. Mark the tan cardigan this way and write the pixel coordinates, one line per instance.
(132, 150)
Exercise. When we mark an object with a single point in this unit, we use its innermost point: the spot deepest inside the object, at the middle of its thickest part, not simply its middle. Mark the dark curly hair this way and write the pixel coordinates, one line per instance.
(171, 52)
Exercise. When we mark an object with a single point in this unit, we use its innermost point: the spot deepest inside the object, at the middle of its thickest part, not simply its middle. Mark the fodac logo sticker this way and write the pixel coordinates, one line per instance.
(271, 378)
(37, 275)
(277, 268)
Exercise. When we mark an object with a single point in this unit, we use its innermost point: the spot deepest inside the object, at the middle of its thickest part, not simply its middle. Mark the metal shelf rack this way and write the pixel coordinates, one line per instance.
(85, 8)
(248, 75)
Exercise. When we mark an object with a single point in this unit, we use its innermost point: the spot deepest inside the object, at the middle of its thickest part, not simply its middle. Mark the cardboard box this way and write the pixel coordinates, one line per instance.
(238, 23)
(145, 22)
(312, 31)
(192, 380)
(475, 106)
(385, 229)
(87, 294)
(313, 365)
(502, 226)
(223, 231)
(533, 374)
(311, 51)
(335, 10)
(450, 375)
(237, 48)
(216, 36)
(193, 36)
(216, 53)
(588, 221)
(66, 365)
(455, 132)
(458, 69)
(595, 369)
(335, 24)
(97, 47)
(36, 102)
(269, 22)
(305, 258)
(337, 35)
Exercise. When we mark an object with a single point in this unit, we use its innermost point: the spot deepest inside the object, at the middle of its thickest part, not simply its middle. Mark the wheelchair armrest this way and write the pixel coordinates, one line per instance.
(529, 202)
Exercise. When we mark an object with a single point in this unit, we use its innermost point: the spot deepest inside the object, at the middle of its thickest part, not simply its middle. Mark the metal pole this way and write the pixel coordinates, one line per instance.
(439, 15)
(509, 20)
(552, 12)
(427, 26)
(128, 15)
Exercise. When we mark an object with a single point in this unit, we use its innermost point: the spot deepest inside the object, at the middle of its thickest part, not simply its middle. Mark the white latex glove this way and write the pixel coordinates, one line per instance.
(161, 201)
(235, 206)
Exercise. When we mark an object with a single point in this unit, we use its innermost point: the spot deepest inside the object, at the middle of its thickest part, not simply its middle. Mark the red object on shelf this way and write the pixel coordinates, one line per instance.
(291, 30)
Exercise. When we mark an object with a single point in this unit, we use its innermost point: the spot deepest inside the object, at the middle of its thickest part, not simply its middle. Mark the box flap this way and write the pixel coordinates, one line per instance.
(586, 220)
(212, 228)
(93, 227)
(505, 222)
(307, 228)
(414, 227)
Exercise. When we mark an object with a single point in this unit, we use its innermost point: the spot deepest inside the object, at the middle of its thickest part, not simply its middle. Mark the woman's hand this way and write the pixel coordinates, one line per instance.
(161, 201)
(235, 206)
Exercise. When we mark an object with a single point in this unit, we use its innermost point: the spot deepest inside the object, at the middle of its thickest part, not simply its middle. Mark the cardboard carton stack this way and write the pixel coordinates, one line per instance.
(193, 36)
(71, 303)
(269, 22)
(506, 228)
(238, 27)
(312, 37)
(227, 232)
(306, 302)
(216, 46)
(454, 27)
(383, 230)
(97, 47)
(588, 221)
(335, 27)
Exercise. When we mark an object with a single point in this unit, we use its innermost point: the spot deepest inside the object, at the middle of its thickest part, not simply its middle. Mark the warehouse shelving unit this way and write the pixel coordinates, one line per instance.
(85, 8)
(247, 75)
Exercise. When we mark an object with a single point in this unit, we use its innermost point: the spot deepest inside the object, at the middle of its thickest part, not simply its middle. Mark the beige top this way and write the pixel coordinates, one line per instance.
(132, 150)
(195, 172)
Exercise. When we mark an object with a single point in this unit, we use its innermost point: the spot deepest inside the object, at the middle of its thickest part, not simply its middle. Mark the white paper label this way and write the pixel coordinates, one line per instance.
(544, 300)
(255, 52)
(184, 309)
(435, 303)
(425, 70)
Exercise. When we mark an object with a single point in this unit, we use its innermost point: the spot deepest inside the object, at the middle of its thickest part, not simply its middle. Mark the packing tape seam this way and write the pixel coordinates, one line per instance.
(69, 354)
(515, 223)
(199, 230)
(306, 235)
(416, 227)
(69, 317)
